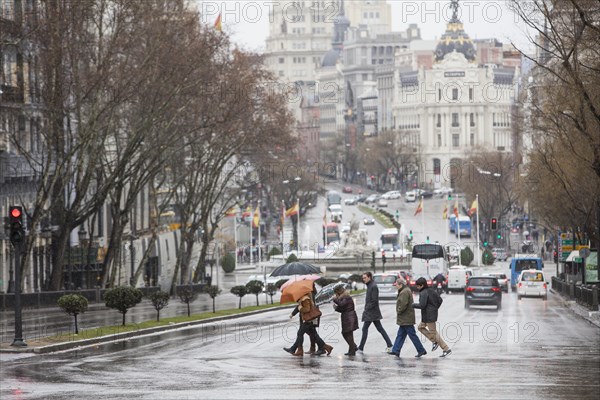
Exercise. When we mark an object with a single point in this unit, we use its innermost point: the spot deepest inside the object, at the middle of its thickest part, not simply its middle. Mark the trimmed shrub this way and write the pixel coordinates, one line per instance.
(466, 256)
(228, 263)
(122, 298)
(271, 290)
(280, 283)
(187, 295)
(213, 292)
(255, 287)
(159, 300)
(291, 258)
(240, 291)
(487, 257)
(275, 251)
(73, 304)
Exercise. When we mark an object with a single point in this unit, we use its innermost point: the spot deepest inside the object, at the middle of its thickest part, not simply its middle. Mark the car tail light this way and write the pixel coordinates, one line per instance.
(496, 289)
(520, 284)
(470, 289)
(545, 287)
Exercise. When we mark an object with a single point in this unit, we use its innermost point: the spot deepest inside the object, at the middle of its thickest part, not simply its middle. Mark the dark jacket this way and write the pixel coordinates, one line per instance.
(372, 311)
(429, 312)
(405, 313)
(345, 306)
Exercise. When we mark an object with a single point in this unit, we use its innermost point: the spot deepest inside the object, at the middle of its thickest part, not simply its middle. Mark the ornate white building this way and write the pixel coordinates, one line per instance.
(453, 108)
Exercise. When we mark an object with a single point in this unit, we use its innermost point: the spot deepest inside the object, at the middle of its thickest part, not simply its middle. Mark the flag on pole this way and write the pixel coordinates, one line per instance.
(419, 207)
(218, 25)
(473, 209)
(455, 211)
(256, 219)
(232, 211)
(445, 214)
(325, 216)
(293, 210)
(247, 213)
(282, 214)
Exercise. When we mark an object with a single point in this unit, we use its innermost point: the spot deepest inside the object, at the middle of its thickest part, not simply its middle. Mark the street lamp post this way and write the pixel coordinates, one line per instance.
(82, 237)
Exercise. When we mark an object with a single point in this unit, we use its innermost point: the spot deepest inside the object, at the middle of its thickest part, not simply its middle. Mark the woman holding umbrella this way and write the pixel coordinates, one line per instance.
(309, 315)
(344, 304)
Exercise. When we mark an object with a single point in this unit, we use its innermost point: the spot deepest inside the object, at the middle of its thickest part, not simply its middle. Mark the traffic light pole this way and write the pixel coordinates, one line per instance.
(18, 341)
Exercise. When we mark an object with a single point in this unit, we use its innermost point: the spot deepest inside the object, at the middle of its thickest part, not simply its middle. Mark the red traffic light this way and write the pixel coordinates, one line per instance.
(15, 213)
(494, 220)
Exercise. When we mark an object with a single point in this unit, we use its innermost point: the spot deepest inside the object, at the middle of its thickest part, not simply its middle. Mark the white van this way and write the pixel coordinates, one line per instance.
(458, 277)
(533, 283)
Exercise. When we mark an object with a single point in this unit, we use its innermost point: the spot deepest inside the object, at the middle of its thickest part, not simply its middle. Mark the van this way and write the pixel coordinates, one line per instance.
(458, 277)
(532, 283)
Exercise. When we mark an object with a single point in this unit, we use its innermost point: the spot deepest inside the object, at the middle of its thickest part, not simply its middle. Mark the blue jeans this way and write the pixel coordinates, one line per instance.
(365, 333)
(401, 336)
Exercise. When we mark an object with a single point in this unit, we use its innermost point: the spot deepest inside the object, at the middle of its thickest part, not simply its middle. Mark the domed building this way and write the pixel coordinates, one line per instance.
(455, 39)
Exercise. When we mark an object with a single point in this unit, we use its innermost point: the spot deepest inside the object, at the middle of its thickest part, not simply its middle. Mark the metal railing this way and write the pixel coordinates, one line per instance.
(586, 296)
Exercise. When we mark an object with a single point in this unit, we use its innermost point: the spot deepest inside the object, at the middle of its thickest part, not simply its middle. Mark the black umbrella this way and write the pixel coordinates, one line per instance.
(295, 268)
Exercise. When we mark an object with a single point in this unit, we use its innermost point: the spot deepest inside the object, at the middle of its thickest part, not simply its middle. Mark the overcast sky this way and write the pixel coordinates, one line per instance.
(247, 21)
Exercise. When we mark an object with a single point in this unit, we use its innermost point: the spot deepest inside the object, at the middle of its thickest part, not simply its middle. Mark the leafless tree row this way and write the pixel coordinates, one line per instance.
(138, 96)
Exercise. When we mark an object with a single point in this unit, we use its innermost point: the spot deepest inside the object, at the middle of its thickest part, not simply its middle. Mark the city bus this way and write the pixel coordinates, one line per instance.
(390, 237)
(464, 226)
(428, 260)
(331, 233)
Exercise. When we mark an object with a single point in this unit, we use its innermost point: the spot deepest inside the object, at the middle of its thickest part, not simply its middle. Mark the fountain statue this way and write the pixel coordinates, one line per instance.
(354, 243)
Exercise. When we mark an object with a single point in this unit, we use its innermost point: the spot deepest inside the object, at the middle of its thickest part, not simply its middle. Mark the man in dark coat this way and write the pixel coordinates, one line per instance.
(429, 316)
(405, 320)
(372, 313)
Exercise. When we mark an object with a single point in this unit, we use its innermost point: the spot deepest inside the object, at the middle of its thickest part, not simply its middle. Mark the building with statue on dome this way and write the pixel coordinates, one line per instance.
(452, 108)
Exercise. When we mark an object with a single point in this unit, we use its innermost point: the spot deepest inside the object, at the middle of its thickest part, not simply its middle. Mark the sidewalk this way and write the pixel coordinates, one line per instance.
(593, 317)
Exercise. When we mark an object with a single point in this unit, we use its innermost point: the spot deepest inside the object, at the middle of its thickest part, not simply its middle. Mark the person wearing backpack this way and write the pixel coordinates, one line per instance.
(429, 302)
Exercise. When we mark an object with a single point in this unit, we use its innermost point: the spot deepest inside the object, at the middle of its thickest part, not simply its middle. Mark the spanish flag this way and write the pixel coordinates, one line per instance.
(292, 210)
(445, 214)
(455, 211)
(419, 207)
(218, 25)
(231, 212)
(247, 213)
(256, 219)
(473, 209)
(282, 214)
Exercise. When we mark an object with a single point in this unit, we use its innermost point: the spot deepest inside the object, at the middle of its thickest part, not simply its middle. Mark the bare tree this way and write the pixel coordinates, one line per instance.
(566, 109)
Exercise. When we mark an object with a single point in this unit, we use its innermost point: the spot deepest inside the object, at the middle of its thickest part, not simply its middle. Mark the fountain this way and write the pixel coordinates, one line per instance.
(354, 243)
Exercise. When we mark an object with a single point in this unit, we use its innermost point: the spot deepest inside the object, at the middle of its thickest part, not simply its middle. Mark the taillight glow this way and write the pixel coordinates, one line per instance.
(520, 284)
(470, 289)
(545, 287)
(496, 289)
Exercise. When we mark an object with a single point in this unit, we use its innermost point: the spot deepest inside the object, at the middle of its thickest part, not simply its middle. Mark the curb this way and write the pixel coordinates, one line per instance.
(139, 333)
(569, 304)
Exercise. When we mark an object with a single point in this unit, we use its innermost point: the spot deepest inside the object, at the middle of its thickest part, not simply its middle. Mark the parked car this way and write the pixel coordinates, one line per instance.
(391, 195)
(426, 194)
(410, 197)
(372, 198)
(350, 202)
(483, 290)
(532, 283)
(382, 203)
(502, 280)
(345, 228)
(500, 254)
(443, 191)
(347, 189)
(369, 221)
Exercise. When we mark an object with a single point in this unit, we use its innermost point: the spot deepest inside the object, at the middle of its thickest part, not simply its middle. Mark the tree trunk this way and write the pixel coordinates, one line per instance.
(213, 305)
(257, 300)
(240, 307)
(157, 315)
(59, 248)
(76, 328)
(124, 318)
(188, 308)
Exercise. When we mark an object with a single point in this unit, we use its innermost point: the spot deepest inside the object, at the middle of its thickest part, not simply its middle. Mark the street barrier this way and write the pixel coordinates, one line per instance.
(586, 296)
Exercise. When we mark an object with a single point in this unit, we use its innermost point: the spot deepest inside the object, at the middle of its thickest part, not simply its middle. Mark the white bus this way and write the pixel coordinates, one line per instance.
(428, 260)
(390, 239)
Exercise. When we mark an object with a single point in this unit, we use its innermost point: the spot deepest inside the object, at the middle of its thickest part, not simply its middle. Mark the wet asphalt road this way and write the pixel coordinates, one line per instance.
(530, 349)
